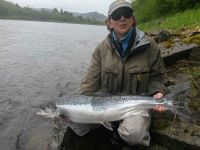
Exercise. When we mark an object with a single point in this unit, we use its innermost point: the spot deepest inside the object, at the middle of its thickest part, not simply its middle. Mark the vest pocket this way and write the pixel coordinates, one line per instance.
(139, 79)
(109, 81)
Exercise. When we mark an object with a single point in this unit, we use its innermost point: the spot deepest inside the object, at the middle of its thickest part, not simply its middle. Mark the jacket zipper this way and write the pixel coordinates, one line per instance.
(123, 72)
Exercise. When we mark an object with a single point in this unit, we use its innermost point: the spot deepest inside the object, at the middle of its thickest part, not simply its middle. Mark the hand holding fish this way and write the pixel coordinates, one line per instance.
(159, 108)
(158, 95)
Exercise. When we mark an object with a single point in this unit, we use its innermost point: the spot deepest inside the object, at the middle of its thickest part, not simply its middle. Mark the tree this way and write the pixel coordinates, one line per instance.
(10, 10)
(150, 9)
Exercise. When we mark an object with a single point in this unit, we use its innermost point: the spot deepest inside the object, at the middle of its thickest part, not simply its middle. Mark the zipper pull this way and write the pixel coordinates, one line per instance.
(139, 77)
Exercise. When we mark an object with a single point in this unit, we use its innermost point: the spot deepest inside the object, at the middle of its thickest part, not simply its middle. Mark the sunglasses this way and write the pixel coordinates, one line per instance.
(125, 12)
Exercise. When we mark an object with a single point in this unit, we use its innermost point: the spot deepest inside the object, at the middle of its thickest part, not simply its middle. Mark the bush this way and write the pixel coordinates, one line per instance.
(146, 10)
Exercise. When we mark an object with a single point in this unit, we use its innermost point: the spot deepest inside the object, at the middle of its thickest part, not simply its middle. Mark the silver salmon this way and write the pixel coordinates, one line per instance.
(99, 109)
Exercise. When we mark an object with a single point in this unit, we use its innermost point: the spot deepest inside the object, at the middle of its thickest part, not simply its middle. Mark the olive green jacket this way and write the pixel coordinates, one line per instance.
(140, 72)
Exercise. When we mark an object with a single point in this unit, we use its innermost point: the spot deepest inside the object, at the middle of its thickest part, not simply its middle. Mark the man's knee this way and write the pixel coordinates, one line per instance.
(138, 136)
(135, 130)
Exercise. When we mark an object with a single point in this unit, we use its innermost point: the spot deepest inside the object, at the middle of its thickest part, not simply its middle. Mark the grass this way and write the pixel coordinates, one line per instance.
(188, 18)
(196, 74)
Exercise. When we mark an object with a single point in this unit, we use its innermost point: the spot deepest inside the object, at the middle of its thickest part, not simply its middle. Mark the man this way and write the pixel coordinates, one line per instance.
(127, 62)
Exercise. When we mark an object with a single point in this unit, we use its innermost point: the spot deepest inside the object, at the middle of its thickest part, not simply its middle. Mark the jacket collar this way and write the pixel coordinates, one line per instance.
(139, 40)
(140, 43)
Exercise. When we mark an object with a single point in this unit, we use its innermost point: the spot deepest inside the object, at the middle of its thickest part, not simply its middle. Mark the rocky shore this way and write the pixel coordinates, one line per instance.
(181, 53)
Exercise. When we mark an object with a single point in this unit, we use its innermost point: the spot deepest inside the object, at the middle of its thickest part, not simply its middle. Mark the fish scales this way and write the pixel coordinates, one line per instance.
(98, 109)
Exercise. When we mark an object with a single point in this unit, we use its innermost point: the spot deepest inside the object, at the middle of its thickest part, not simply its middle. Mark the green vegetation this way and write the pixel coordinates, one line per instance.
(166, 14)
(189, 18)
(146, 10)
(9, 10)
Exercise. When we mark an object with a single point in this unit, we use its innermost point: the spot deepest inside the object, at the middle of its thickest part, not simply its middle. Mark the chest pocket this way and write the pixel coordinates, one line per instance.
(109, 80)
(139, 79)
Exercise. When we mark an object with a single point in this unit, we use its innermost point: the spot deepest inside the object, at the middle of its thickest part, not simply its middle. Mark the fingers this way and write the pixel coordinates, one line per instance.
(158, 95)
(159, 108)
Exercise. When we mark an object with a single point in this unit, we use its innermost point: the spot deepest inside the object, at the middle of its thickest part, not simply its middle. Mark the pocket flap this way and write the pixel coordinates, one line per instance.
(138, 69)
(110, 70)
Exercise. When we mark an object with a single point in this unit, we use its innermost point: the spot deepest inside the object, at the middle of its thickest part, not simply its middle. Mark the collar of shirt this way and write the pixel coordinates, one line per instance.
(124, 40)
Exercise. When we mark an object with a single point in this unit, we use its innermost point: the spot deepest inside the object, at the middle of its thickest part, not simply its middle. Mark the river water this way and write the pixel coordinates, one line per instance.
(38, 62)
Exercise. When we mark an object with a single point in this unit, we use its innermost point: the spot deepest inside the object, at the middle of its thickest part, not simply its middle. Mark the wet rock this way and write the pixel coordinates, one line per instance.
(177, 45)
(195, 55)
(180, 128)
(187, 32)
(176, 51)
(175, 138)
(160, 36)
(193, 39)
(186, 75)
(163, 35)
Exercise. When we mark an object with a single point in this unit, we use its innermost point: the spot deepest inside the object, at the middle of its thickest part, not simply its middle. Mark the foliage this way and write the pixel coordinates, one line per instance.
(9, 10)
(179, 20)
(146, 10)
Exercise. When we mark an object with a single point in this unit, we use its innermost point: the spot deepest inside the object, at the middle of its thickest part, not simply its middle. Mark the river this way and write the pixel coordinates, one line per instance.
(38, 62)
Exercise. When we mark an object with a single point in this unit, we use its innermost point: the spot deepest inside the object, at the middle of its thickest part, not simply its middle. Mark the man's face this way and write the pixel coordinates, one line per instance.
(121, 21)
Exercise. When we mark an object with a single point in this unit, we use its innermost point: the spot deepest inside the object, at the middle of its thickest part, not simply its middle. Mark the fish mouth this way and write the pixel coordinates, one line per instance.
(47, 113)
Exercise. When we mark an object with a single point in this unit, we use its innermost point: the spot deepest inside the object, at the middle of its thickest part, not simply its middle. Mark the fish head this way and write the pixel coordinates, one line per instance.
(47, 113)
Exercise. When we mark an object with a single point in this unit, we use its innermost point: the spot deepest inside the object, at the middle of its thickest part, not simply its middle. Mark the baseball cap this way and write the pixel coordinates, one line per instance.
(118, 4)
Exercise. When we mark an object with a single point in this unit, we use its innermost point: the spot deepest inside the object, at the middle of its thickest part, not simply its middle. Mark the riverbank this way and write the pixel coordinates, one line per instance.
(9, 10)
(47, 20)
